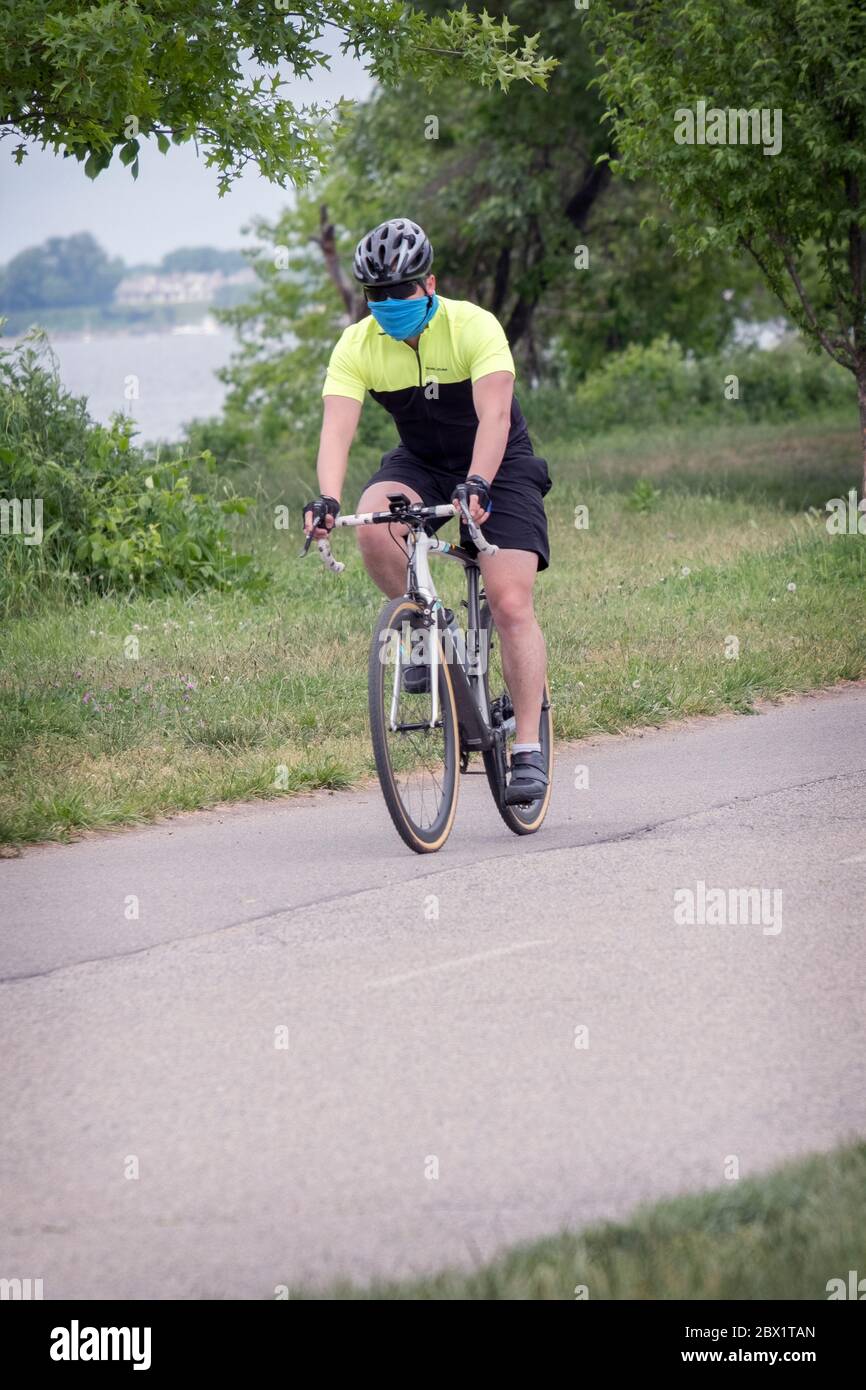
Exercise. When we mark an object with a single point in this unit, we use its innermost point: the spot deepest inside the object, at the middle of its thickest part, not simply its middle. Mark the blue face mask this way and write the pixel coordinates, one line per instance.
(404, 318)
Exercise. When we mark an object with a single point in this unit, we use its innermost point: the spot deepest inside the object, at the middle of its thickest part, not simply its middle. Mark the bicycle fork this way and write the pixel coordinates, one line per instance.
(432, 661)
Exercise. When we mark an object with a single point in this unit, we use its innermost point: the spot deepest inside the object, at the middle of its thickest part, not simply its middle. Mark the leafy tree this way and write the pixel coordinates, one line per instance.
(98, 79)
(509, 190)
(799, 212)
(285, 330)
(203, 258)
(506, 190)
(62, 271)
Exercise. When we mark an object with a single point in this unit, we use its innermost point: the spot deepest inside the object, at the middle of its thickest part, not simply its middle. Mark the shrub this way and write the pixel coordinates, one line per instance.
(112, 518)
(659, 384)
(784, 383)
(640, 386)
(643, 498)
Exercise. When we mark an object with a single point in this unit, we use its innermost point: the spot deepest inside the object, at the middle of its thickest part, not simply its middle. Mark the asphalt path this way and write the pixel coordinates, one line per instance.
(269, 1045)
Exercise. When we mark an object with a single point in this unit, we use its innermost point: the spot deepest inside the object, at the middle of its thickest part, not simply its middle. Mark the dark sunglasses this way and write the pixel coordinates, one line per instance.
(376, 293)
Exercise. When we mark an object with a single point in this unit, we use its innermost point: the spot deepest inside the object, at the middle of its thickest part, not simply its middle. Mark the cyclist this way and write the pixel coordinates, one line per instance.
(443, 369)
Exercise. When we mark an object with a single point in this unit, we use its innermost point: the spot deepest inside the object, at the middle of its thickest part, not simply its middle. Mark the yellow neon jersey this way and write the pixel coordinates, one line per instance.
(428, 392)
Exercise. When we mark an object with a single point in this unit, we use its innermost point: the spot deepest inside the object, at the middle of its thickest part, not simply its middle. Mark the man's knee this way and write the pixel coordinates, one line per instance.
(375, 497)
(512, 606)
(371, 539)
(374, 540)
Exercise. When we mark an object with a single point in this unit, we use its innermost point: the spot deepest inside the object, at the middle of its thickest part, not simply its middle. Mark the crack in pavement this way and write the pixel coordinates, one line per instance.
(347, 895)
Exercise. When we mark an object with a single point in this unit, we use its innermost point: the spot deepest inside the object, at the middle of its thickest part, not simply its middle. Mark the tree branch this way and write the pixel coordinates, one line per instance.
(823, 337)
(845, 360)
(327, 244)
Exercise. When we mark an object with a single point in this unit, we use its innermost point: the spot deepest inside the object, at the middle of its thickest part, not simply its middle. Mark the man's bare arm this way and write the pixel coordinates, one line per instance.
(491, 396)
(339, 425)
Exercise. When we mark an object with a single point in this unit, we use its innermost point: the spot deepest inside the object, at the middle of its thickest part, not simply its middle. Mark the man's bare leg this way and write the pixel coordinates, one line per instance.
(509, 578)
(383, 559)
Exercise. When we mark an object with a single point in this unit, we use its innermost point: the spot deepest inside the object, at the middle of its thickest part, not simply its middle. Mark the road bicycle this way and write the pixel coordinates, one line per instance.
(437, 693)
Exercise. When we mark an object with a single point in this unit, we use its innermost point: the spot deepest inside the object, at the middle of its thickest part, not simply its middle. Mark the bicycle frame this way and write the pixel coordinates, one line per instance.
(470, 693)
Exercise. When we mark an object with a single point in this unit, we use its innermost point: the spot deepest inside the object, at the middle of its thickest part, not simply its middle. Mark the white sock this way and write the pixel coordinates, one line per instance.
(526, 748)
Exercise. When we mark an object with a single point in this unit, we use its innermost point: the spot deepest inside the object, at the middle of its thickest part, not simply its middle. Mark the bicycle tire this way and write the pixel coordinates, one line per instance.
(423, 839)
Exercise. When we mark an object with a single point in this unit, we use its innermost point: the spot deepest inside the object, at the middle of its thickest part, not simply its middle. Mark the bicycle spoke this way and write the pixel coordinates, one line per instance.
(421, 786)
(417, 757)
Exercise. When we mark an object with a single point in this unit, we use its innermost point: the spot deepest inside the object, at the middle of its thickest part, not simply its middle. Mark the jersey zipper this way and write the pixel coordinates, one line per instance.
(432, 425)
(417, 352)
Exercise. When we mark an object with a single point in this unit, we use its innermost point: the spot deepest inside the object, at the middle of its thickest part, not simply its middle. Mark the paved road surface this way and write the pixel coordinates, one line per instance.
(430, 1006)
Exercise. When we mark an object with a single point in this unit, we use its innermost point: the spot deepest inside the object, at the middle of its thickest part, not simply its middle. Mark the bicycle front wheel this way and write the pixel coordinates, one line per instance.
(417, 759)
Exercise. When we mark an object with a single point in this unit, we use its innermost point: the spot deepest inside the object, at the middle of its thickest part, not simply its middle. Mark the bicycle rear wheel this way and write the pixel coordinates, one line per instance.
(417, 765)
(523, 820)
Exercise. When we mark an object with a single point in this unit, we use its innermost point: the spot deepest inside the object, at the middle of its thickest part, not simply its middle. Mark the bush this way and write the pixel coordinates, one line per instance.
(641, 386)
(112, 519)
(659, 384)
(643, 498)
(785, 383)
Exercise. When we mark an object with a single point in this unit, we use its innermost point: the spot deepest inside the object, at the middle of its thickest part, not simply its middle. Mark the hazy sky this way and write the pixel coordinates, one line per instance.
(173, 203)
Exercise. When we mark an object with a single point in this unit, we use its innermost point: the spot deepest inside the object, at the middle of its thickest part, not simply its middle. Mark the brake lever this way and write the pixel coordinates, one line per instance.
(316, 521)
(475, 532)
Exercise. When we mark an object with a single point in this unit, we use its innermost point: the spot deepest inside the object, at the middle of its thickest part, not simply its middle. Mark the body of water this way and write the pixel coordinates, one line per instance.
(160, 379)
(165, 379)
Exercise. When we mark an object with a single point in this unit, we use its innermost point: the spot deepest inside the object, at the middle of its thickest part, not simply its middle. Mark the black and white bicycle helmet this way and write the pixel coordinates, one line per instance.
(394, 251)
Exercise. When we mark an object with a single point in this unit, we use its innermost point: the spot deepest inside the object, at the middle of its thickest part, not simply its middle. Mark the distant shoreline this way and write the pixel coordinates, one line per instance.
(204, 328)
(107, 321)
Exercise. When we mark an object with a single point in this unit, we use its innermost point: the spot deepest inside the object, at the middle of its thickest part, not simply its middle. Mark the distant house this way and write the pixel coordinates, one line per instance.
(176, 287)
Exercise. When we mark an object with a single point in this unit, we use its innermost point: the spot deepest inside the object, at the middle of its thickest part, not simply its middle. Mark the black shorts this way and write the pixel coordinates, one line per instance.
(517, 520)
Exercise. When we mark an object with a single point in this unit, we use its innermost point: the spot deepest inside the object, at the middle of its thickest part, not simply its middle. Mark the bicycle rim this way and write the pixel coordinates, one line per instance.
(417, 765)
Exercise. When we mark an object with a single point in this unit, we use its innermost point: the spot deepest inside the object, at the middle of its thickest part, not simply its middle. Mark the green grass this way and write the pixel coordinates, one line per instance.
(780, 1236)
(229, 698)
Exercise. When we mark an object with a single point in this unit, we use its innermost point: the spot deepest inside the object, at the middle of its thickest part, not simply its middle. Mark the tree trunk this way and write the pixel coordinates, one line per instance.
(579, 205)
(861, 401)
(500, 281)
(532, 356)
(327, 243)
(520, 320)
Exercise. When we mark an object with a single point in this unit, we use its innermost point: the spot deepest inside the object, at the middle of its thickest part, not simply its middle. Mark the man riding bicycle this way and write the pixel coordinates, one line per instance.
(443, 370)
